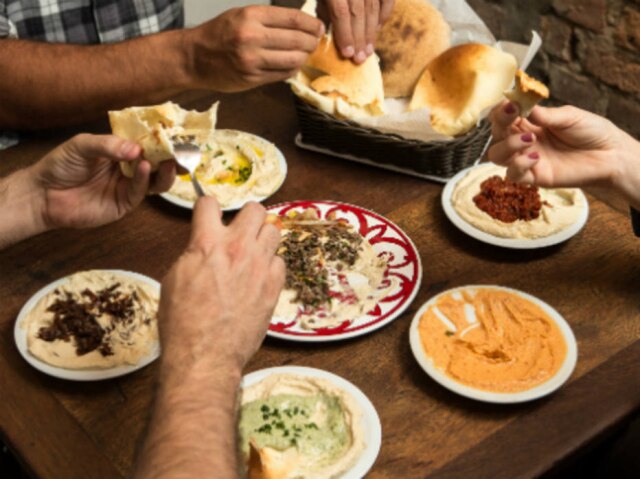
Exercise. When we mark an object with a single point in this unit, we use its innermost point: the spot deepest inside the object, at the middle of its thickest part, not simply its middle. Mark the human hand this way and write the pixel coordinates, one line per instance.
(217, 299)
(246, 47)
(82, 186)
(355, 24)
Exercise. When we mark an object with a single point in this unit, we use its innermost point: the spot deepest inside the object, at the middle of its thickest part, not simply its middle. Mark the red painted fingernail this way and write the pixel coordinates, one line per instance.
(510, 109)
(527, 137)
(534, 155)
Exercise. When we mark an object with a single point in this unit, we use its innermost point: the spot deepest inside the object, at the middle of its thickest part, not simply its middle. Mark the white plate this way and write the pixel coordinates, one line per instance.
(371, 426)
(537, 392)
(385, 238)
(20, 335)
(176, 200)
(478, 234)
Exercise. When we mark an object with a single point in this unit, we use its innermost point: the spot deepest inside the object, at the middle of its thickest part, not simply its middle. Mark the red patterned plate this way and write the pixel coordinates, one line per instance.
(387, 239)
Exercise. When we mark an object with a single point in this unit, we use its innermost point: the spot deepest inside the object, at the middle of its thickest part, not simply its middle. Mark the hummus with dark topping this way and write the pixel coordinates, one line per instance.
(485, 200)
(333, 273)
(95, 320)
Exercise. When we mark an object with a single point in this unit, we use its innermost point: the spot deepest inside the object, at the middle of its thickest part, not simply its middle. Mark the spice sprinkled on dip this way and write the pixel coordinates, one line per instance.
(492, 339)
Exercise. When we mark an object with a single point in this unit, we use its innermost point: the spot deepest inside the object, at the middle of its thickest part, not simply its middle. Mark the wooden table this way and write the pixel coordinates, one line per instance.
(79, 430)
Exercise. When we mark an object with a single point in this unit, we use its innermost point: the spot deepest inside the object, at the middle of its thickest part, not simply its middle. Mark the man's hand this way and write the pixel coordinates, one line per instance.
(565, 147)
(218, 298)
(355, 24)
(246, 47)
(82, 186)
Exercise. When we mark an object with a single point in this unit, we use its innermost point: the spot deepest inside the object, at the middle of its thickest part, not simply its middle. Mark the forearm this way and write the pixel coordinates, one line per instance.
(21, 201)
(45, 85)
(627, 178)
(192, 432)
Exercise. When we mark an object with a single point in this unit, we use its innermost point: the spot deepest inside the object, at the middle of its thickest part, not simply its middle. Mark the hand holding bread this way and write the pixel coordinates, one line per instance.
(565, 147)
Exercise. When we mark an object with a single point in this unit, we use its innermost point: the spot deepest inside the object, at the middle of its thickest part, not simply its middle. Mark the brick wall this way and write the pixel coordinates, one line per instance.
(591, 50)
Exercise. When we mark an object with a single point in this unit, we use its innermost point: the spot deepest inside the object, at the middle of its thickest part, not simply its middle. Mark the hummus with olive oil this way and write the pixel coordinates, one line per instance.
(561, 208)
(333, 273)
(95, 320)
(302, 427)
(235, 166)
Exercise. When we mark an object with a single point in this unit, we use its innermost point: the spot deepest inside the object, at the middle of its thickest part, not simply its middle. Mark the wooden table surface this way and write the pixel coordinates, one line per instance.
(62, 429)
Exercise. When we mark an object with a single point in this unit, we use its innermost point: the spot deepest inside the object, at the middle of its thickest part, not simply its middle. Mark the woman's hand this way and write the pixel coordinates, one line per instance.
(565, 147)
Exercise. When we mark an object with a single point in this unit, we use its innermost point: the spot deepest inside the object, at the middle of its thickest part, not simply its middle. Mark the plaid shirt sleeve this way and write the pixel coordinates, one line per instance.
(88, 21)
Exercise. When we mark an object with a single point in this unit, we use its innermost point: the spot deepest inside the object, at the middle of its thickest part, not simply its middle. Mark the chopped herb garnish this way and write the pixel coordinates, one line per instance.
(449, 333)
(264, 408)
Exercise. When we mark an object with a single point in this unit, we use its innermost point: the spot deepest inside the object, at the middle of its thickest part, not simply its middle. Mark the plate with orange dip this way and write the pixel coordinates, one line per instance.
(493, 344)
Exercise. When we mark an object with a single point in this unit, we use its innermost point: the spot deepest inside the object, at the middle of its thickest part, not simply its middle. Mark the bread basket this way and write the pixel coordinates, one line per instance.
(436, 160)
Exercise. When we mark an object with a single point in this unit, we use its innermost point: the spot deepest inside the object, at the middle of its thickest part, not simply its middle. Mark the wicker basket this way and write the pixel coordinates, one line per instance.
(437, 159)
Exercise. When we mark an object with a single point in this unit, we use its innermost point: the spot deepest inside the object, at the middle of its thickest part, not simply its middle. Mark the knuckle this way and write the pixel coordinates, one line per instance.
(340, 9)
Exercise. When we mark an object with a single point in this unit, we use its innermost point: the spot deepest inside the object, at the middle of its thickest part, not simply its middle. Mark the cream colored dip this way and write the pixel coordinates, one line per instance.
(129, 341)
(563, 208)
(327, 450)
(492, 339)
(235, 166)
(357, 289)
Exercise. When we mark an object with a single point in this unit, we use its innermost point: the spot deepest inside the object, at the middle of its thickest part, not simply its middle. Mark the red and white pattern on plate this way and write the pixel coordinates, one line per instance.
(387, 240)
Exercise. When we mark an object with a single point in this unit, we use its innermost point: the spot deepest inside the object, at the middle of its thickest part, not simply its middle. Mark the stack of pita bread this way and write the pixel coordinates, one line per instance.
(414, 60)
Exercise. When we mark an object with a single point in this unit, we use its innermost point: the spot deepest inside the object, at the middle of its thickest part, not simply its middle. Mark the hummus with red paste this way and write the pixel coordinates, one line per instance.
(484, 199)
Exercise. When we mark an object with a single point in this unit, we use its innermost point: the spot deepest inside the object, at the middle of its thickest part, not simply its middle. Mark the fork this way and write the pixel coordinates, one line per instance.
(188, 156)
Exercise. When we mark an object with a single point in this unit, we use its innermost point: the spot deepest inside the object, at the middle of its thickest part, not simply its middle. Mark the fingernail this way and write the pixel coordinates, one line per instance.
(534, 155)
(360, 57)
(321, 29)
(369, 49)
(510, 109)
(527, 137)
(348, 52)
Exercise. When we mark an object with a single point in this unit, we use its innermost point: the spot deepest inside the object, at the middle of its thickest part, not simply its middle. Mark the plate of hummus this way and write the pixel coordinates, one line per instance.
(91, 325)
(493, 344)
(236, 167)
(488, 207)
(298, 422)
(349, 271)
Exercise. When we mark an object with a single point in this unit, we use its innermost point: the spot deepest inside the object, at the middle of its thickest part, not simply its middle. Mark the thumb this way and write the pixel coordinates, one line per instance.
(555, 118)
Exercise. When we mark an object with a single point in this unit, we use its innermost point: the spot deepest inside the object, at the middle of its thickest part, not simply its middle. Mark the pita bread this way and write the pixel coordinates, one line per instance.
(459, 84)
(414, 35)
(527, 93)
(153, 126)
(358, 85)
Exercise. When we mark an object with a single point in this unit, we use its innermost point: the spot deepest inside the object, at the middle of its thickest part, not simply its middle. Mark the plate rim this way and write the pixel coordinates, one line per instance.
(20, 337)
(365, 330)
(282, 161)
(370, 416)
(511, 243)
(544, 389)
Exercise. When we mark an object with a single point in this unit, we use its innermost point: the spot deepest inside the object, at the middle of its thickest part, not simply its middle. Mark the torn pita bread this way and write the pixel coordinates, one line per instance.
(338, 86)
(527, 93)
(152, 127)
(268, 463)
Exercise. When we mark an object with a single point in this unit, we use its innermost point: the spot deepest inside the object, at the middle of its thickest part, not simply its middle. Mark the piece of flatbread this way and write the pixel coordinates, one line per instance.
(153, 126)
(527, 93)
